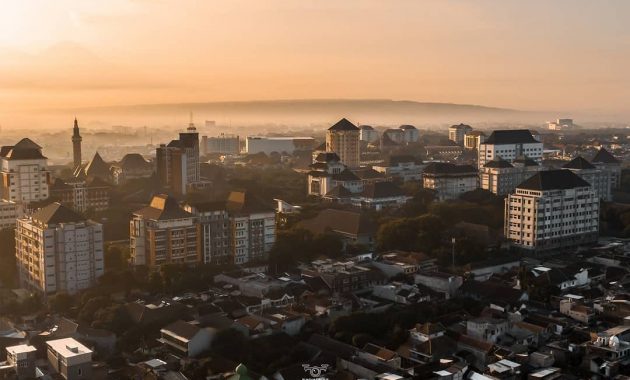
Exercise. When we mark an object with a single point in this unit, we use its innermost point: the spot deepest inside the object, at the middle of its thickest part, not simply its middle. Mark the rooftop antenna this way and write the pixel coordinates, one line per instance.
(191, 125)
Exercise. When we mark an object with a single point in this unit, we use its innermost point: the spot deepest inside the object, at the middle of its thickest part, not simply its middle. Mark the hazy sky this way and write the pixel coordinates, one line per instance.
(549, 55)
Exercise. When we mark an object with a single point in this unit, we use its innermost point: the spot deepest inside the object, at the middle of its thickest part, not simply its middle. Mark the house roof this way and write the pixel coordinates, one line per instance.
(399, 159)
(407, 126)
(553, 180)
(327, 156)
(448, 168)
(339, 192)
(498, 163)
(97, 167)
(368, 127)
(25, 149)
(578, 163)
(133, 161)
(604, 157)
(429, 328)
(348, 222)
(163, 207)
(182, 329)
(525, 161)
(379, 351)
(368, 173)
(382, 190)
(461, 125)
(515, 136)
(343, 125)
(56, 213)
(346, 175)
(246, 203)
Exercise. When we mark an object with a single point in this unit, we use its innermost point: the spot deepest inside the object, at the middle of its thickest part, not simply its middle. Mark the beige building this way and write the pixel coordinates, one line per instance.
(554, 209)
(449, 180)
(24, 172)
(456, 133)
(343, 139)
(472, 139)
(70, 359)
(164, 233)
(599, 179)
(58, 250)
(501, 177)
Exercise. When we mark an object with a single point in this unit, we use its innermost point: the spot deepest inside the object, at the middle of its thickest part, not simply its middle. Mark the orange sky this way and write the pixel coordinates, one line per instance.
(538, 55)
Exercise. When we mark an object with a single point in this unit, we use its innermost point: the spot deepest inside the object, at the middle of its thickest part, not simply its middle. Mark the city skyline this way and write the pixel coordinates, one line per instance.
(561, 56)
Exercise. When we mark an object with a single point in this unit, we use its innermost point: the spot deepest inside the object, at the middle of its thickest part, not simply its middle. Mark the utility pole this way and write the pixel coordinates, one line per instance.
(453, 252)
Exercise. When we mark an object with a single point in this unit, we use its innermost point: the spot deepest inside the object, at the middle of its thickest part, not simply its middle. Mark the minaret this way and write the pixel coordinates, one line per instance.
(76, 144)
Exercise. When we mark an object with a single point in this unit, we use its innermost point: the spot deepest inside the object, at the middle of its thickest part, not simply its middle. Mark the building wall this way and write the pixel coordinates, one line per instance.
(450, 186)
(502, 181)
(544, 220)
(346, 145)
(223, 144)
(61, 258)
(165, 241)
(9, 213)
(488, 152)
(25, 180)
(267, 145)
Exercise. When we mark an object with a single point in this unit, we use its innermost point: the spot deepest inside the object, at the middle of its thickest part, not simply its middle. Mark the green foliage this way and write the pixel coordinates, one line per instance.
(61, 303)
(298, 245)
(423, 234)
(115, 258)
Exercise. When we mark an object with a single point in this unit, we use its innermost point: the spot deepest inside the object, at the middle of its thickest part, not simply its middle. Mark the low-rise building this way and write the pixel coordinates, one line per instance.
(449, 181)
(268, 145)
(605, 161)
(403, 167)
(441, 282)
(354, 228)
(82, 195)
(132, 166)
(456, 133)
(599, 179)
(10, 212)
(186, 338)
(501, 177)
(70, 359)
(21, 360)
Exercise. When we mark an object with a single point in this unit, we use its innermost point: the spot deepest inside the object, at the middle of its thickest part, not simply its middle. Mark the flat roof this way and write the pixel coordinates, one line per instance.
(68, 347)
(21, 349)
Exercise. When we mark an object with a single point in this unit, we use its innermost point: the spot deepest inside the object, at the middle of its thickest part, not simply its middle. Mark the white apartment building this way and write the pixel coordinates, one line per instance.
(501, 177)
(509, 145)
(164, 233)
(253, 227)
(9, 213)
(70, 359)
(58, 250)
(268, 145)
(599, 179)
(456, 133)
(328, 173)
(554, 209)
(603, 160)
(368, 134)
(24, 172)
(21, 359)
(449, 180)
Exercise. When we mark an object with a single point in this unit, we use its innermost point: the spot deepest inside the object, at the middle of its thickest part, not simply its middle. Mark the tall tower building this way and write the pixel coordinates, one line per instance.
(343, 139)
(76, 144)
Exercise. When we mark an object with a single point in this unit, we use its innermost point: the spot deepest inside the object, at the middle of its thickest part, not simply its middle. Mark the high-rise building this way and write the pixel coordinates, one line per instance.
(472, 139)
(501, 177)
(509, 145)
(449, 181)
(604, 160)
(552, 210)
(222, 144)
(343, 139)
(178, 162)
(239, 230)
(58, 250)
(24, 172)
(76, 145)
(457, 132)
(368, 134)
(268, 145)
(164, 233)
(599, 179)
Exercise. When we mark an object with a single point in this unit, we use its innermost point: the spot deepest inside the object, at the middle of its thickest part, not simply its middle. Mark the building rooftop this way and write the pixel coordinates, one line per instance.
(21, 349)
(163, 207)
(382, 190)
(516, 136)
(25, 149)
(578, 163)
(68, 347)
(604, 157)
(182, 329)
(448, 168)
(498, 163)
(553, 180)
(343, 125)
(56, 213)
(349, 222)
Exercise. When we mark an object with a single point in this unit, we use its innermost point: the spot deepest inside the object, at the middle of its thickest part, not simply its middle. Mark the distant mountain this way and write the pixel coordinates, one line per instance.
(313, 111)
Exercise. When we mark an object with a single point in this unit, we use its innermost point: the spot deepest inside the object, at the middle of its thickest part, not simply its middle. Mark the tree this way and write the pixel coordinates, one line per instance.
(231, 344)
(115, 258)
(61, 303)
